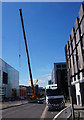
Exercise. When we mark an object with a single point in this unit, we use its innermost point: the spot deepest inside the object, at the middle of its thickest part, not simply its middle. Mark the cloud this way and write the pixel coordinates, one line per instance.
(24, 81)
(41, 81)
(46, 69)
(46, 77)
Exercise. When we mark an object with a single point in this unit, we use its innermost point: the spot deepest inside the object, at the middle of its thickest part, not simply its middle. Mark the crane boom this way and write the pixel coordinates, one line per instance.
(33, 91)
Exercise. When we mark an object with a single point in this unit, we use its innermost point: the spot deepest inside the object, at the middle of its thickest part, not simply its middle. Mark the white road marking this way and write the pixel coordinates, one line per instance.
(44, 112)
(61, 112)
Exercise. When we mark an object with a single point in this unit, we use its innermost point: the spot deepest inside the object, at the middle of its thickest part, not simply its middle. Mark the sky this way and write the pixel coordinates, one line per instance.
(47, 26)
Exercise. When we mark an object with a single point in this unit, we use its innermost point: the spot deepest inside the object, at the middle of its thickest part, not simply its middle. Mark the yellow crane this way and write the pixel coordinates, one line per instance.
(34, 83)
(31, 79)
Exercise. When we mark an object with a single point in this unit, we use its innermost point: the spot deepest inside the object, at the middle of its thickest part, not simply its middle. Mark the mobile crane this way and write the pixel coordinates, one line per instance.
(34, 83)
(31, 79)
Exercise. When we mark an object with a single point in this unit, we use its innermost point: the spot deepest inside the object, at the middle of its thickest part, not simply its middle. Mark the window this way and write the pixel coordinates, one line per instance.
(82, 46)
(58, 66)
(75, 78)
(64, 66)
(65, 73)
(5, 78)
(78, 76)
(71, 79)
(83, 74)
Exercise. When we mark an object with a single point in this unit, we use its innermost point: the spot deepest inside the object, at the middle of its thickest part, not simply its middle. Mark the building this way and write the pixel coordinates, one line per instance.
(39, 91)
(22, 91)
(74, 51)
(9, 81)
(49, 82)
(59, 77)
(29, 91)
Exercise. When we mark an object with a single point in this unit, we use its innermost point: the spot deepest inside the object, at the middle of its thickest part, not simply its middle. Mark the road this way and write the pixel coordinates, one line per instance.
(30, 110)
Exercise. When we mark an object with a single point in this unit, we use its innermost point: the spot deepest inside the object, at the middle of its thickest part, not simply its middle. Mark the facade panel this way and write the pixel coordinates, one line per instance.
(82, 26)
(75, 62)
(81, 12)
(72, 67)
(76, 24)
(80, 57)
(73, 43)
(77, 36)
(10, 79)
(82, 42)
(76, 59)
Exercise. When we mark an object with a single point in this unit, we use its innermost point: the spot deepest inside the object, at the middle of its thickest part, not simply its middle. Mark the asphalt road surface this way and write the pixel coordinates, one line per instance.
(30, 110)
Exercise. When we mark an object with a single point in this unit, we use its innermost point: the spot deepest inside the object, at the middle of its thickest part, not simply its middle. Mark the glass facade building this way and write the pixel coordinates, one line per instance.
(9, 80)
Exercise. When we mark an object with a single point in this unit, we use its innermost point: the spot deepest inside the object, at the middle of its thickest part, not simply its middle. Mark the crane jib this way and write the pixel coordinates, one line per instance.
(33, 91)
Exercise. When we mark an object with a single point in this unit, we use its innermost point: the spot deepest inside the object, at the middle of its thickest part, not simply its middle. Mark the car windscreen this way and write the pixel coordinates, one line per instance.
(53, 92)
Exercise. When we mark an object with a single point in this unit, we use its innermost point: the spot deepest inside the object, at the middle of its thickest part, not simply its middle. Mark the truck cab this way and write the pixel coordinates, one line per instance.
(54, 97)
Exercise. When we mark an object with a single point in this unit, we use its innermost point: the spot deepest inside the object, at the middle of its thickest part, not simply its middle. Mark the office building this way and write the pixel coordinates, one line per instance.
(9, 81)
(74, 51)
(49, 82)
(22, 91)
(59, 77)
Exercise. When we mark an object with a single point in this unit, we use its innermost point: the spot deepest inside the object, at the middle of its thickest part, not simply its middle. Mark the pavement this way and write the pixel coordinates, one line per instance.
(64, 113)
(25, 110)
(5, 105)
(79, 112)
(29, 111)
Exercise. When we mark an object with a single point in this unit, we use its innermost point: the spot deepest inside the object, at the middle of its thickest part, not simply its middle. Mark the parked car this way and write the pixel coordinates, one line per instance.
(22, 98)
(40, 101)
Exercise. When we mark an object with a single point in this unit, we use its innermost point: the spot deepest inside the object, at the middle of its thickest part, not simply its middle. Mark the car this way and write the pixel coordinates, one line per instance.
(40, 101)
(22, 98)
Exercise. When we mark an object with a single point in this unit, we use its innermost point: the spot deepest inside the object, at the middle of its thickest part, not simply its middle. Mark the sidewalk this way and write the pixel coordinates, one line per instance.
(79, 111)
(64, 113)
(4, 105)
